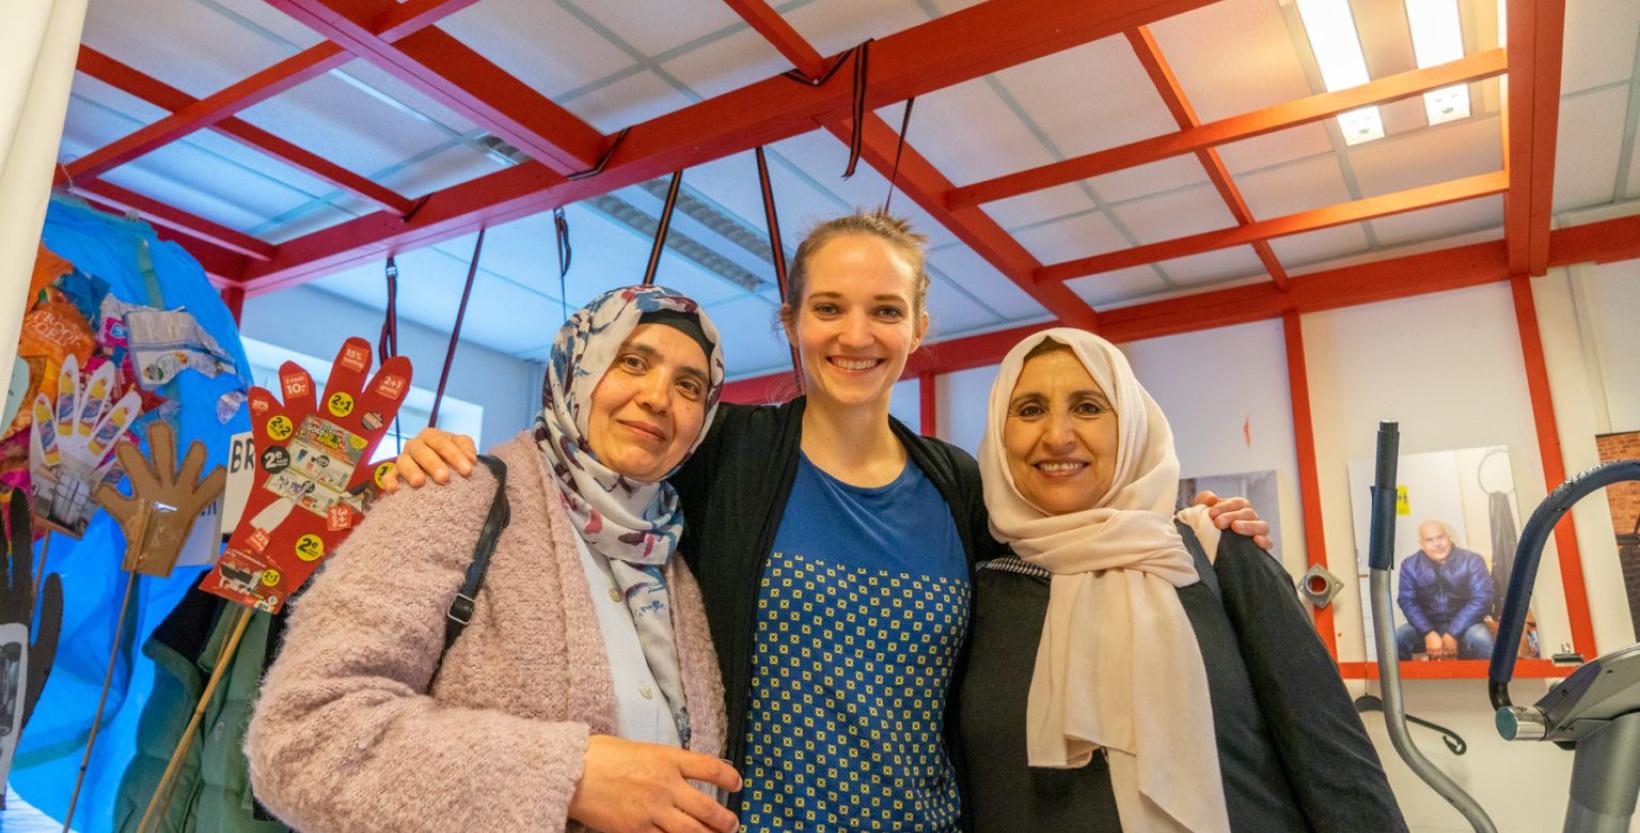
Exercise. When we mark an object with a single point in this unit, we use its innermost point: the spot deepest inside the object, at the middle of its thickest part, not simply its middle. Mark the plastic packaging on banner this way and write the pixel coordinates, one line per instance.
(163, 343)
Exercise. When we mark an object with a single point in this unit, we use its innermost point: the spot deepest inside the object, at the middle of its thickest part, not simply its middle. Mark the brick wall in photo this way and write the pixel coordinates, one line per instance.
(1624, 499)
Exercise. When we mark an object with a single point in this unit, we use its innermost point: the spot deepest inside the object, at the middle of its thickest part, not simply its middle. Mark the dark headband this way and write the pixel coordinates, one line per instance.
(687, 323)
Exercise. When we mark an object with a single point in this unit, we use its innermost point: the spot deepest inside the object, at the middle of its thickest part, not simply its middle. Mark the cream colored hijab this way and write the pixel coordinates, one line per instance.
(1118, 666)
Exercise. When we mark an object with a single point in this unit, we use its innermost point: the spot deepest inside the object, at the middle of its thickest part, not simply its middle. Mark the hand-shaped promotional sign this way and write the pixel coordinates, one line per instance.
(164, 502)
(70, 443)
(312, 471)
(24, 664)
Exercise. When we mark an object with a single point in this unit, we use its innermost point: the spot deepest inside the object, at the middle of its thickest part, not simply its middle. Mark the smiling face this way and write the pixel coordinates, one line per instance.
(1060, 434)
(649, 407)
(857, 321)
(1434, 540)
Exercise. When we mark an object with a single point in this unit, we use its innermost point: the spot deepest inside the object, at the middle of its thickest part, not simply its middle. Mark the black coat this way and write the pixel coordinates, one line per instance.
(1293, 754)
(733, 493)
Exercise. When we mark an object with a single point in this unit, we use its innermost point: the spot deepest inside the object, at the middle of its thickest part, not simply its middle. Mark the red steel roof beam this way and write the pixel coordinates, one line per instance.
(1398, 202)
(1167, 84)
(156, 92)
(437, 64)
(1531, 118)
(919, 179)
(222, 267)
(291, 72)
(948, 50)
(1235, 128)
(161, 214)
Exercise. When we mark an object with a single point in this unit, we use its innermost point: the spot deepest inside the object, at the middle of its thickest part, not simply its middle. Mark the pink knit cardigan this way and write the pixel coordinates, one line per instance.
(348, 735)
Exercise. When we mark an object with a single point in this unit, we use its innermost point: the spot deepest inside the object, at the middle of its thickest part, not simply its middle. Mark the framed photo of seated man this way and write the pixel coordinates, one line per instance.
(1456, 529)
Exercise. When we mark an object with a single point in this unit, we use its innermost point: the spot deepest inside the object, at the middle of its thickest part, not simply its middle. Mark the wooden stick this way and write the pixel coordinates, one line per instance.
(40, 571)
(162, 792)
(102, 699)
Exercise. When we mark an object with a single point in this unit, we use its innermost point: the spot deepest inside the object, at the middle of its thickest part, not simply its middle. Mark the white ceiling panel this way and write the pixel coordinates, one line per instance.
(1232, 56)
(98, 115)
(949, 6)
(1386, 39)
(201, 183)
(1038, 206)
(633, 99)
(822, 158)
(1404, 116)
(1214, 267)
(309, 218)
(1167, 175)
(1276, 148)
(377, 82)
(1117, 288)
(1600, 42)
(260, 16)
(731, 183)
(1441, 221)
(727, 63)
(1632, 187)
(1089, 98)
(1086, 234)
(209, 53)
(455, 163)
(1277, 192)
(832, 26)
(970, 134)
(1436, 154)
(1299, 250)
(653, 28)
(345, 124)
(540, 43)
(1589, 141)
(962, 265)
(1174, 214)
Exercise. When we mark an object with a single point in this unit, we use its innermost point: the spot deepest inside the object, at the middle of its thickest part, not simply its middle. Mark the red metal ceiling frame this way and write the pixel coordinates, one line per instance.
(284, 75)
(1167, 84)
(1232, 129)
(948, 50)
(134, 82)
(918, 179)
(451, 72)
(1397, 202)
(1309, 471)
(1364, 283)
(1531, 117)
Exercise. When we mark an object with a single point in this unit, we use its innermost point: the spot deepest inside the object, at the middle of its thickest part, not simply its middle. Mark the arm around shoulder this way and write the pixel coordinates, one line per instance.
(345, 735)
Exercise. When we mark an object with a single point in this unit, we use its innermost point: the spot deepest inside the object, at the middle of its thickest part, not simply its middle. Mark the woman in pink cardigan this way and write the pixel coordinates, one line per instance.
(583, 692)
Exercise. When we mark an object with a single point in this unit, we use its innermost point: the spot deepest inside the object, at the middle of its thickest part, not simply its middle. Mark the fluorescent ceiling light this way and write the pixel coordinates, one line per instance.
(1337, 50)
(1437, 39)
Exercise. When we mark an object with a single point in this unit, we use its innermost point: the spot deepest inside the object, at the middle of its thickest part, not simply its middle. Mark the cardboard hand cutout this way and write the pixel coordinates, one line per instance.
(70, 444)
(24, 664)
(311, 474)
(160, 512)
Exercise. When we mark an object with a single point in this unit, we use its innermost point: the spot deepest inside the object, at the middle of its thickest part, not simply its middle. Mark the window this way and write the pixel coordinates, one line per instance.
(455, 415)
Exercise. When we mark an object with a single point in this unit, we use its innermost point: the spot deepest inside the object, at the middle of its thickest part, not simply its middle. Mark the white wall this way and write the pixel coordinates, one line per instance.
(310, 321)
(1448, 367)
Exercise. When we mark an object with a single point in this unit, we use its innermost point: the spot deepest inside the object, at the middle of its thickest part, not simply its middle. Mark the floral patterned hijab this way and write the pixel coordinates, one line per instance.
(635, 524)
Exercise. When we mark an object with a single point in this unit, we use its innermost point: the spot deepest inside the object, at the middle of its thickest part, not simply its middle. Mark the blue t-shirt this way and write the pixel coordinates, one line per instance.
(861, 611)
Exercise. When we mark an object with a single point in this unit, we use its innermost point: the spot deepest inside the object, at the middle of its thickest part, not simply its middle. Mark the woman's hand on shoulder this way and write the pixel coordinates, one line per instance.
(432, 454)
(1235, 514)
(631, 787)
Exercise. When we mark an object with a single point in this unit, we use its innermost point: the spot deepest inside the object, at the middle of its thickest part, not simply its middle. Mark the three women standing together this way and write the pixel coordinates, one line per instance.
(885, 663)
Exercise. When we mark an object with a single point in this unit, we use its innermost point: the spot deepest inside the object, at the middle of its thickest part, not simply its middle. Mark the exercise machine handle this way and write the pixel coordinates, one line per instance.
(1381, 531)
(1530, 552)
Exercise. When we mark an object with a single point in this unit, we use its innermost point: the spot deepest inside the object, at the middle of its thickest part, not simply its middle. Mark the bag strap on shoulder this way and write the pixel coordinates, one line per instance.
(461, 608)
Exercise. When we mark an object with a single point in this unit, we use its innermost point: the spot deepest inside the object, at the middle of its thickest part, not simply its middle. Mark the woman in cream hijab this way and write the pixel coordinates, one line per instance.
(1120, 678)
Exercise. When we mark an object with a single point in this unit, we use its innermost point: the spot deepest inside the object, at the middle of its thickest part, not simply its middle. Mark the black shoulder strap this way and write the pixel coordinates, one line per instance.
(461, 608)
(1210, 576)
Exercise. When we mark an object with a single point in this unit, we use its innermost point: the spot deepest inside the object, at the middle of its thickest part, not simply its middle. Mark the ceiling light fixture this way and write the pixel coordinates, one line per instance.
(1437, 38)
(1337, 50)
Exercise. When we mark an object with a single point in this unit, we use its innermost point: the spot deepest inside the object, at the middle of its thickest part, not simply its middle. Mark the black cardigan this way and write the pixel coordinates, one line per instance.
(733, 493)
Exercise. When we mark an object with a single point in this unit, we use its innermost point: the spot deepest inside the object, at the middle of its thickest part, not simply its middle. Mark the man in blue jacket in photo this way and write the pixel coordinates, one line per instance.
(1445, 593)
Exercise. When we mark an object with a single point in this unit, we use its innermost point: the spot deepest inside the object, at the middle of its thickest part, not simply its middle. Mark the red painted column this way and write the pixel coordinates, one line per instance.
(928, 407)
(1554, 466)
(1309, 483)
(234, 297)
